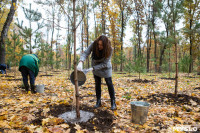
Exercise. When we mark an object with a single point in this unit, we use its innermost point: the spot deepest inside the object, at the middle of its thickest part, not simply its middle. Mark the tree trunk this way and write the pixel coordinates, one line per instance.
(14, 55)
(57, 64)
(135, 49)
(82, 30)
(169, 63)
(155, 41)
(4, 32)
(95, 27)
(176, 62)
(148, 57)
(53, 13)
(75, 62)
(161, 58)
(88, 59)
(148, 40)
(30, 37)
(46, 58)
(122, 34)
(138, 32)
(191, 45)
(58, 33)
(68, 47)
(155, 50)
(148, 50)
(163, 50)
(103, 19)
(114, 56)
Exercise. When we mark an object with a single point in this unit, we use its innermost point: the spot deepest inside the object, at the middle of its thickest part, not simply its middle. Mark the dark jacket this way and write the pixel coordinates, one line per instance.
(2, 66)
(31, 62)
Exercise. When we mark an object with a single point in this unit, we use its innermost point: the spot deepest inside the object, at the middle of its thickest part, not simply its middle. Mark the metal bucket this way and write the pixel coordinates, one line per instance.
(40, 88)
(81, 75)
(139, 111)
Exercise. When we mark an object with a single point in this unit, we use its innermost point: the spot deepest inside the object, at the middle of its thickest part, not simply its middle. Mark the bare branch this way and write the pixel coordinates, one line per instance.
(65, 12)
(81, 19)
(55, 23)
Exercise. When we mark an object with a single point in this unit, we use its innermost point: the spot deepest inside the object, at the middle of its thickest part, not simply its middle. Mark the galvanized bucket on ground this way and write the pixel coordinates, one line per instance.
(139, 111)
(81, 75)
(40, 88)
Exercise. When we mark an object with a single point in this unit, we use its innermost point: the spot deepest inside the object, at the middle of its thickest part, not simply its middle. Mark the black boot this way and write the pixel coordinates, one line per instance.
(113, 104)
(111, 92)
(26, 87)
(98, 104)
(33, 89)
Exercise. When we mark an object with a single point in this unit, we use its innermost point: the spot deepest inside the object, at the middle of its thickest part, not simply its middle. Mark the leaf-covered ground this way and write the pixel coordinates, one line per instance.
(21, 112)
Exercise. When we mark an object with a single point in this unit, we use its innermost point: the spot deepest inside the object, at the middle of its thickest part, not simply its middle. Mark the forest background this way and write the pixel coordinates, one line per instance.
(165, 36)
(153, 26)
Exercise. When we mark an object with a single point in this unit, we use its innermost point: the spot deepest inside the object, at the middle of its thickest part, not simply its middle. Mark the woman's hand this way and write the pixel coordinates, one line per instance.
(80, 66)
(90, 69)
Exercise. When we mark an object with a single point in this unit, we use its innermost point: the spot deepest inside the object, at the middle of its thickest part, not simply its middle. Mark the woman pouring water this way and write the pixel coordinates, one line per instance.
(101, 66)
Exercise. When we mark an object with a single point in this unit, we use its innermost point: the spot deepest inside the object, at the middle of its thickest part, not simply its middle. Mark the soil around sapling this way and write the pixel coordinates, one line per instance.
(151, 75)
(167, 78)
(120, 73)
(197, 88)
(190, 77)
(102, 119)
(141, 81)
(130, 76)
(55, 73)
(13, 79)
(170, 98)
(47, 75)
(9, 76)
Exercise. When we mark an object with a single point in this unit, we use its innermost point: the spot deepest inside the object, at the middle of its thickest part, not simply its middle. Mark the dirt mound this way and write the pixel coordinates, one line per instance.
(168, 78)
(197, 88)
(141, 81)
(46, 75)
(170, 98)
(13, 79)
(102, 120)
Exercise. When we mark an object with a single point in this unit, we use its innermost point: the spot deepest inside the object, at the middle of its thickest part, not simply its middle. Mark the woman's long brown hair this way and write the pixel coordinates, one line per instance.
(106, 46)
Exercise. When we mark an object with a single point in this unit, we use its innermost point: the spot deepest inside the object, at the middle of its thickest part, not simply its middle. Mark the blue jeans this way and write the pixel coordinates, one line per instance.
(25, 73)
(3, 71)
(108, 83)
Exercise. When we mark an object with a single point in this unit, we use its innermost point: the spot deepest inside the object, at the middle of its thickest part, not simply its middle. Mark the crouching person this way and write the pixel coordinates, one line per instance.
(29, 66)
(3, 68)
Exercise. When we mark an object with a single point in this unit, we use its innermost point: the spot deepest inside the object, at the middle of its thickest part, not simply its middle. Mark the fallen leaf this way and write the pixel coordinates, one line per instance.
(77, 127)
(115, 113)
(52, 121)
(4, 124)
(64, 125)
(56, 130)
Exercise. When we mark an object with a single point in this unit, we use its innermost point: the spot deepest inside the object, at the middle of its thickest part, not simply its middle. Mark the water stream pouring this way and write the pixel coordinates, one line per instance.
(71, 116)
(81, 75)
